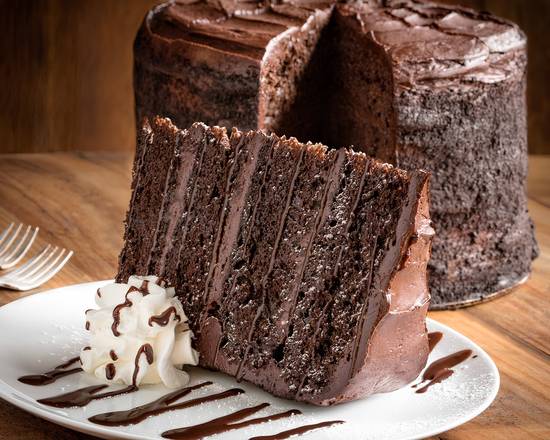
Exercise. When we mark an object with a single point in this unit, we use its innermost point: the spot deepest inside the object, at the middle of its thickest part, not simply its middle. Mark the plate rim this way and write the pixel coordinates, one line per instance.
(8, 393)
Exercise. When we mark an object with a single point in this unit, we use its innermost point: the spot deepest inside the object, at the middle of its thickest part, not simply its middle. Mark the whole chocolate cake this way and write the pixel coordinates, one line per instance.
(301, 269)
(416, 84)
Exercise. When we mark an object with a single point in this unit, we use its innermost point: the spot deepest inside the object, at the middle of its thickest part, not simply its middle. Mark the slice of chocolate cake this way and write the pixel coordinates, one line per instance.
(301, 269)
(410, 82)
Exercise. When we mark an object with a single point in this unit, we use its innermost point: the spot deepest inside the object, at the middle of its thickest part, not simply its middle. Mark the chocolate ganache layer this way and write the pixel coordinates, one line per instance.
(416, 84)
(302, 269)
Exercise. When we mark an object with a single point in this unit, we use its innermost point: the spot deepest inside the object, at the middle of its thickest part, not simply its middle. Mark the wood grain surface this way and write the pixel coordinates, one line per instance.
(66, 71)
(79, 201)
(66, 74)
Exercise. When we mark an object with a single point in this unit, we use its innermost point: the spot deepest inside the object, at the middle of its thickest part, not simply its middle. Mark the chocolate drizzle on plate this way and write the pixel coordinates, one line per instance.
(83, 396)
(433, 339)
(52, 375)
(159, 406)
(68, 363)
(440, 370)
(216, 426)
(297, 431)
(226, 423)
(164, 318)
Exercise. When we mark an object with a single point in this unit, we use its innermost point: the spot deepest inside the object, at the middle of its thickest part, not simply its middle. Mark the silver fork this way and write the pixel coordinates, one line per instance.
(15, 241)
(39, 269)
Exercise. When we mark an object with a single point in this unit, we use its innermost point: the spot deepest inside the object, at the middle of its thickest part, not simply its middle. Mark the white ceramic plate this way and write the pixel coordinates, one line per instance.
(43, 330)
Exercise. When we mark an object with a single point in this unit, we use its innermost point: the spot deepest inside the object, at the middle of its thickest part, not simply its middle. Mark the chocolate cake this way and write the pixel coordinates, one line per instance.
(416, 84)
(302, 269)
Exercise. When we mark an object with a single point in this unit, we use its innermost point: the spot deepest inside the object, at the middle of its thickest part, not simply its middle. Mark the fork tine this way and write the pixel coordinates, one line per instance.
(45, 266)
(20, 249)
(54, 268)
(31, 261)
(5, 233)
(25, 248)
(31, 273)
(39, 261)
(9, 241)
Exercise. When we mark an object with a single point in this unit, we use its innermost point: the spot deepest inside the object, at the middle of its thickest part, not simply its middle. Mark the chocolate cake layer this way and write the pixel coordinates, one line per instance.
(413, 83)
(290, 259)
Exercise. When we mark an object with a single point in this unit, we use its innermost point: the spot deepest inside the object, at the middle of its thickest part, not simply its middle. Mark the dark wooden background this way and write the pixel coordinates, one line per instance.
(66, 71)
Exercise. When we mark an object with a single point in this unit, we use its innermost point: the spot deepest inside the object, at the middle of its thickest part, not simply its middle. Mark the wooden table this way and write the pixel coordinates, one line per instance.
(79, 201)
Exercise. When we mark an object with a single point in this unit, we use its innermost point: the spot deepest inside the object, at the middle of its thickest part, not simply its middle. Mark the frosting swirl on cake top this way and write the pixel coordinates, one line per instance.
(427, 42)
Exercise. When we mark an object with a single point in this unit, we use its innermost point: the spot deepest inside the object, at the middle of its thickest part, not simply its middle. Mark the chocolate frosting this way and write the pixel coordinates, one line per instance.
(398, 349)
(427, 42)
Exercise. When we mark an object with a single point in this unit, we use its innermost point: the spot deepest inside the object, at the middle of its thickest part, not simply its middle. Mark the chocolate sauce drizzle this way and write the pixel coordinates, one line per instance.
(219, 425)
(433, 339)
(440, 370)
(297, 431)
(110, 371)
(148, 351)
(118, 309)
(164, 318)
(52, 375)
(165, 403)
(160, 406)
(226, 423)
(145, 288)
(83, 396)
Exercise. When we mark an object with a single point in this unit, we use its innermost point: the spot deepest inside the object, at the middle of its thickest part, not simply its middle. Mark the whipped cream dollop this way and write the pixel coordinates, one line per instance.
(139, 335)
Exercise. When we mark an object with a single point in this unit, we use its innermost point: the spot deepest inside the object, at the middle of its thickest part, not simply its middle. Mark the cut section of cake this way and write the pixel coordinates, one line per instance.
(302, 269)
